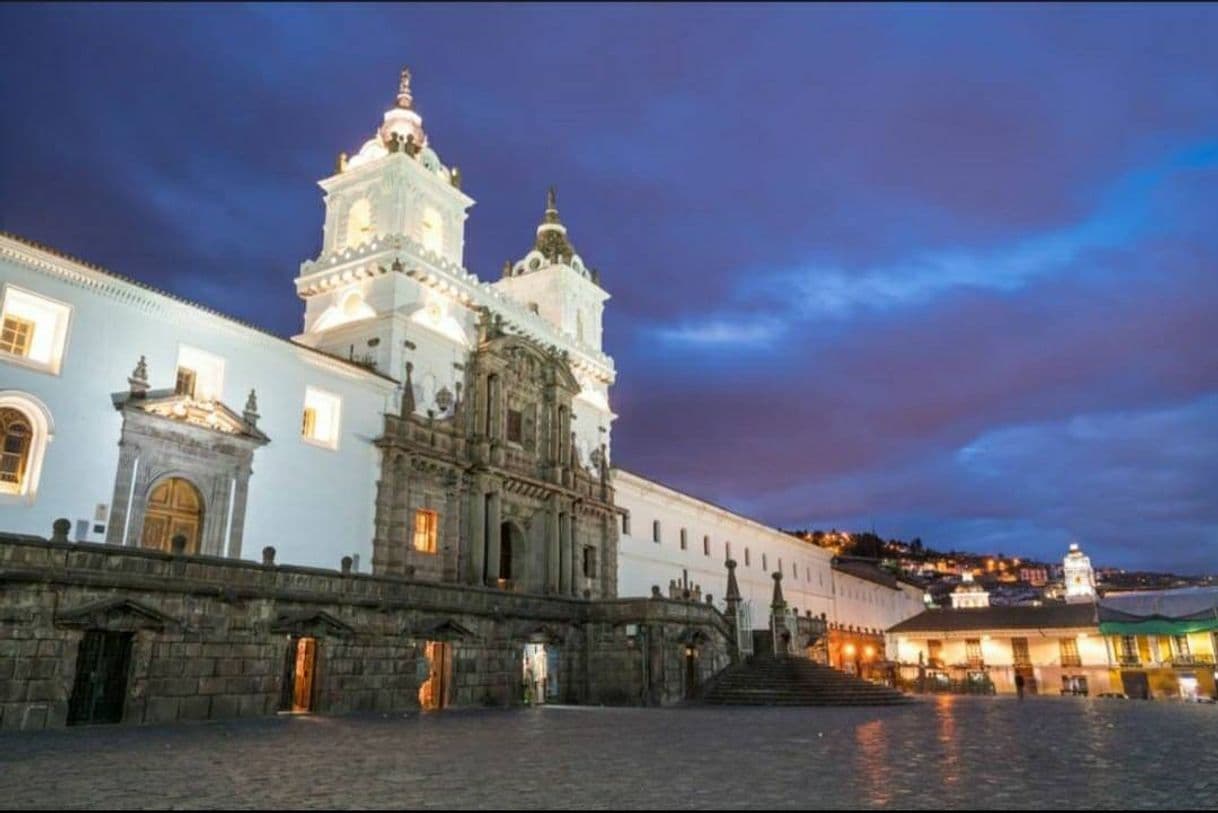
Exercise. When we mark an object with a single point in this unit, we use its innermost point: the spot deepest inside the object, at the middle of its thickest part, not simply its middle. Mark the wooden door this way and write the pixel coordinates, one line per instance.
(433, 693)
(100, 688)
(174, 507)
(302, 683)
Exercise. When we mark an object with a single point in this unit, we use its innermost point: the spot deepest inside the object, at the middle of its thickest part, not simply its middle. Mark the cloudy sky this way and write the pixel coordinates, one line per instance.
(951, 272)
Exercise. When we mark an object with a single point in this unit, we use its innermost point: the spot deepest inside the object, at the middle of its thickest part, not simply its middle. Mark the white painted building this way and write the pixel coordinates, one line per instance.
(668, 536)
(127, 410)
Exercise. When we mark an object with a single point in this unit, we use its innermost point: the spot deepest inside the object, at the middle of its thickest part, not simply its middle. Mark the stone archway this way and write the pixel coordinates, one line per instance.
(174, 507)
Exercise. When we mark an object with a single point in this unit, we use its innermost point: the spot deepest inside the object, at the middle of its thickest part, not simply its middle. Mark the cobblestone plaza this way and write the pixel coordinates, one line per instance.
(949, 752)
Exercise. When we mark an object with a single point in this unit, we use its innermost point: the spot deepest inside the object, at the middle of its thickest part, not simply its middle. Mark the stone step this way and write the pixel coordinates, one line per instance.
(766, 680)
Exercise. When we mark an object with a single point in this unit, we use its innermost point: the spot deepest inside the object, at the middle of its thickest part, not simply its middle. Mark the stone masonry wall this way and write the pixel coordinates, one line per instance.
(210, 636)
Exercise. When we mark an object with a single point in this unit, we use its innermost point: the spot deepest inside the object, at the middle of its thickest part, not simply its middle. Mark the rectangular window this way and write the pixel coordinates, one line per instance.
(706, 546)
(1019, 652)
(425, 529)
(185, 385)
(1129, 649)
(746, 557)
(16, 336)
(765, 562)
(322, 426)
(626, 524)
(972, 651)
(33, 329)
(515, 426)
(589, 562)
(934, 653)
(684, 539)
(1069, 652)
(655, 531)
(206, 373)
(1180, 645)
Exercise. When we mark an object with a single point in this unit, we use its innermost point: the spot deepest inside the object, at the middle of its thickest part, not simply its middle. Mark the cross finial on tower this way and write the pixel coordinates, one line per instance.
(552, 199)
(405, 98)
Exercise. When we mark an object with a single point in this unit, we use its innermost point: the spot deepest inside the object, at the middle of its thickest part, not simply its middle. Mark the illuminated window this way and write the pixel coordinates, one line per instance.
(655, 531)
(25, 431)
(425, 524)
(684, 539)
(16, 335)
(1020, 655)
(33, 330)
(934, 653)
(515, 426)
(1069, 652)
(972, 651)
(309, 423)
(1180, 645)
(186, 382)
(16, 432)
(321, 426)
(199, 374)
(359, 223)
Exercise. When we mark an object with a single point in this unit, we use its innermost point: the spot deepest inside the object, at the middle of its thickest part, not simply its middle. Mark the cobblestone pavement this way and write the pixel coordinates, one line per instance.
(949, 752)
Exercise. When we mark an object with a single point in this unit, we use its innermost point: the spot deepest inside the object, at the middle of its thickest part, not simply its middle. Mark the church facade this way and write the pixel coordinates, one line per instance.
(425, 426)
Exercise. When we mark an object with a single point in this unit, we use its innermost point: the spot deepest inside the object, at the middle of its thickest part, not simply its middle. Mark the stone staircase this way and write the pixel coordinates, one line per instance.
(766, 680)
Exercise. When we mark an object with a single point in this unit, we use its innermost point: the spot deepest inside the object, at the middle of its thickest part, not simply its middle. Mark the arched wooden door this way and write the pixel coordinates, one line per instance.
(174, 507)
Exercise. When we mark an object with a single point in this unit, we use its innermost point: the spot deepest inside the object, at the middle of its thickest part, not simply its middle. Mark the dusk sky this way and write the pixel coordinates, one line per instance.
(951, 272)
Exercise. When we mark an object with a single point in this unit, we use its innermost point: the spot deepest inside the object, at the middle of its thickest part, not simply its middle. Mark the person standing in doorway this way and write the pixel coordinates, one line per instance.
(1019, 685)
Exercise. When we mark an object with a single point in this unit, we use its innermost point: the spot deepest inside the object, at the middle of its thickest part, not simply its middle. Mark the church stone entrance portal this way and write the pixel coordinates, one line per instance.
(539, 676)
(174, 507)
(100, 687)
(299, 675)
(433, 693)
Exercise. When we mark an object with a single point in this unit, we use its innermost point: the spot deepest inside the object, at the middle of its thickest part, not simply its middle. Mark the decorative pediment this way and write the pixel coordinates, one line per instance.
(210, 415)
(117, 614)
(441, 629)
(315, 623)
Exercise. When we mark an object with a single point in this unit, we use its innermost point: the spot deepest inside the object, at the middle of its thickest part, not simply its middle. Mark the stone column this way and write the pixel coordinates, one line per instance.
(493, 532)
(564, 553)
(476, 536)
(552, 556)
(237, 523)
(577, 571)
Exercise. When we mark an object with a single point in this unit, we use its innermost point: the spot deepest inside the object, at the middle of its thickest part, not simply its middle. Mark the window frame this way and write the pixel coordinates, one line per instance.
(332, 444)
(38, 418)
(430, 531)
(62, 329)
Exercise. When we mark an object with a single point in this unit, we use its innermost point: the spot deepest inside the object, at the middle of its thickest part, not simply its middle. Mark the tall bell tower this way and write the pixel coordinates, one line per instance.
(389, 286)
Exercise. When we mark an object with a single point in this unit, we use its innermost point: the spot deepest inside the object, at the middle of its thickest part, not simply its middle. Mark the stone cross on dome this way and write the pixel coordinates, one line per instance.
(405, 98)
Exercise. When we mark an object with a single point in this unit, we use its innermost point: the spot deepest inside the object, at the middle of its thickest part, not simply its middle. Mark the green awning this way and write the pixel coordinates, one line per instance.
(1158, 626)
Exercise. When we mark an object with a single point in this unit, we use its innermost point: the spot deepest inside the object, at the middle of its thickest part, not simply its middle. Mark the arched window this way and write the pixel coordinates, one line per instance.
(17, 434)
(359, 223)
(25, 431)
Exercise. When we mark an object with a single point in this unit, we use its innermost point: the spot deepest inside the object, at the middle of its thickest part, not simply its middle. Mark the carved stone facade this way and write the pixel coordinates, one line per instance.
(512, 505)
(167, 436)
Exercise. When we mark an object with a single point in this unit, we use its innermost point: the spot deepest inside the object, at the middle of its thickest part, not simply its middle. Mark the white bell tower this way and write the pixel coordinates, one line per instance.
(1078, 576)
(389, 286)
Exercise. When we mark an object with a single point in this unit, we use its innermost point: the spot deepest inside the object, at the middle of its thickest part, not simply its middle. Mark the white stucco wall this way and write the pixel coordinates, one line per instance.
(812, 585)
(313, 504)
